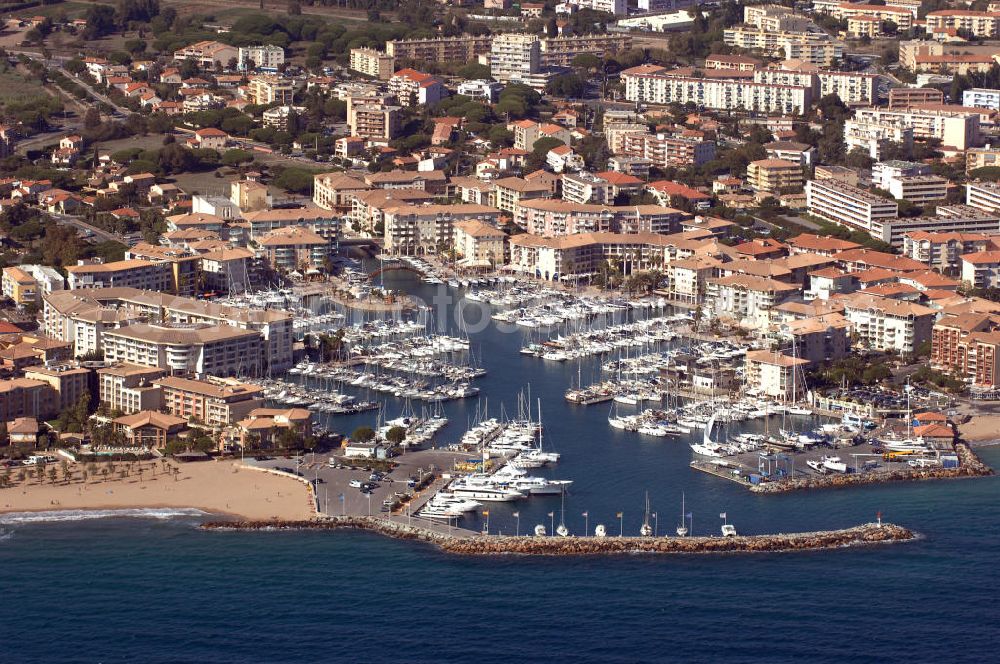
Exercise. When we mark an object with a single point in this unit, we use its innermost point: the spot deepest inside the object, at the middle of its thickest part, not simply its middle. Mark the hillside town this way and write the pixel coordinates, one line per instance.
(197, 207)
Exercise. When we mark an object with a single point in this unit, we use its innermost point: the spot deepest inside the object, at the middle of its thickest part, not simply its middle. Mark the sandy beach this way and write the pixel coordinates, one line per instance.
(220, 487)
(981, 429)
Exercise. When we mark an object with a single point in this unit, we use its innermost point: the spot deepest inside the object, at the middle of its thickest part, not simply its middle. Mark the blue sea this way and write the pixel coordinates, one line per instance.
(155, 588)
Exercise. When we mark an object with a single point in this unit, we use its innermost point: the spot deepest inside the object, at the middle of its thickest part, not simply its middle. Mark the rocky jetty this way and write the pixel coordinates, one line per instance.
(969, 465)
(587, 546)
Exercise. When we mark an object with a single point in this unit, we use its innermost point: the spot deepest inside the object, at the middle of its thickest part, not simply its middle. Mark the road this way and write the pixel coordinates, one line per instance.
(84, 226)
(56, 62)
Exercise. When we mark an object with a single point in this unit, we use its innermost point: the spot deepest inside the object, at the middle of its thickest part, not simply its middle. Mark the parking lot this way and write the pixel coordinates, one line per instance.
(333, 482)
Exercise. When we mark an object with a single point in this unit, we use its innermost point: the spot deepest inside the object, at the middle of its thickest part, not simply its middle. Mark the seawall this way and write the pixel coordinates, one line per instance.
(862, 535)
(969, 465)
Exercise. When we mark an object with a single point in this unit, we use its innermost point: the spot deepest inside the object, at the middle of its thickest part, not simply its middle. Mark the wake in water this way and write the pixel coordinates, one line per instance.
(87, 515)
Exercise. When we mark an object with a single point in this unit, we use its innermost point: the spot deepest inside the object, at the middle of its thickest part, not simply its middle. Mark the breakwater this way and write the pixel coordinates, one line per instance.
(862, 535)
(969, 465)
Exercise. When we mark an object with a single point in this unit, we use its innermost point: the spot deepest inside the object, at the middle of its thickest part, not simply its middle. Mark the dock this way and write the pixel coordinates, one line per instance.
(734, 472)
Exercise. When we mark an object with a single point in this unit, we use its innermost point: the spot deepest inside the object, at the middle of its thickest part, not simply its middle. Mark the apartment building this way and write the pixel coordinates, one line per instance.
(20, 287)
(216, 403)
(950, 218)
(968, 344)
(586, 188)
(266, 89)
(560, 51)
(133, 273)
(983, 196)
(740, 63)
(874, 136)
(217, 350)
(775, 18)
(371, 62)
(799, 153)
(294, 248)
(528, 132)
(748, 299)
(887, 324)
(775, 176)
(414, 88)
(336, 191)
(817, 48)
(848, 205)
(413, 230)
(368, 207)
(647, 84)
(942, 251)
(664, 151)
(374, 121)
(508, 193)
(208, 54)
(903, 17)
(957, 129)
(981, 269)
(129, 388)
(68, 381)
(265, 58)
(981, 157)
(478, 244)
(905, 98)
(489, 91)
(979, 24)
(919, 188)
(83, 317)
(581, 255)
(775, 375)
(981, 98)
(26, 397)
(315, 219)
(463, 48)
(514, 56)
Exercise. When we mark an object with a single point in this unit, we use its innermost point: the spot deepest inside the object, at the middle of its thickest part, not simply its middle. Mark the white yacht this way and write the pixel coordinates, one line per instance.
(467, 487)
(833, 463)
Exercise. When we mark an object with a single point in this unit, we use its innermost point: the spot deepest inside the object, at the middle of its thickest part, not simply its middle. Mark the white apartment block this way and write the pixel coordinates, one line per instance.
(885, 171)
(983, 196)
(847, 205)
(514, 56)
(942, 251)
(82, 317)
(586, 188)
(664, 151)
(371, 62)
(428, 229)
(886, 324)
(817, 48)
(873, 137)
(919, 188)
(748, 299)
(980, 24)
(641, 85)
(903, 17)
(775, 375)
(215, 350)
(981, 269)
(982, 98)
(135, 273)
(956, 129)
(488, 91)
(265, 58)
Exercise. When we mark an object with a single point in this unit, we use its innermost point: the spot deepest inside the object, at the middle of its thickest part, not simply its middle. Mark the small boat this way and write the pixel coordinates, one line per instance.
(682, 529)
(833, 463)
(646, 530)
(540, 531)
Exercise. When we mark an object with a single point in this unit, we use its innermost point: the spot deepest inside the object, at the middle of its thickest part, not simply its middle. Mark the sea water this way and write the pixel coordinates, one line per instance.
(126, 588)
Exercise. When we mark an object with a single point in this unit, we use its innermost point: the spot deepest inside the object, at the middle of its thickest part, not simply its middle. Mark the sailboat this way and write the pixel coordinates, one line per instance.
(707, 446)
(646, 530)
(561, 529)
(682, 529)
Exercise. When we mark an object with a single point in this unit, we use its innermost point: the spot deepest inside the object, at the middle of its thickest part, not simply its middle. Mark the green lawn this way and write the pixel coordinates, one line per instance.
(15, 86)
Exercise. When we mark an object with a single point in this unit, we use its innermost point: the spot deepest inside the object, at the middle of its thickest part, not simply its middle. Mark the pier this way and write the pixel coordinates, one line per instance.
(465, 544)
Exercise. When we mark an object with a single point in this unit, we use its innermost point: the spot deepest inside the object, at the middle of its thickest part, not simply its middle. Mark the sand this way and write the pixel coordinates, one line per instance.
(219, 487)
(981, 428)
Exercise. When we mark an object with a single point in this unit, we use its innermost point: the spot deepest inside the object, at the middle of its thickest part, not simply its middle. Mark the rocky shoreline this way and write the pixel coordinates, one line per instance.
(862, 535)
(969, 465)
